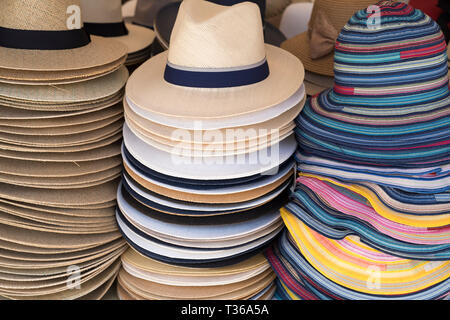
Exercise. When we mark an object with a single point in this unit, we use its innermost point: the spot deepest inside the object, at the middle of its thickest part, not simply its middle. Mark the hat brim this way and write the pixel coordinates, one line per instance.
(312, 89)
(172, 274)
(299, 46)
(231, 195)
(147, 84)
(162, 162)
(319, 251)
(146, 289)
(166, 17)
(97, 53)
(154, 129)
(28, 77)
(374, 116)
(137, 39)
(90, 90)
(414, 215)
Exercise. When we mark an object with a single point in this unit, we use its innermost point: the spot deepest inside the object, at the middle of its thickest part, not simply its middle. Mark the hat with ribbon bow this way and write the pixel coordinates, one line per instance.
(315, 47)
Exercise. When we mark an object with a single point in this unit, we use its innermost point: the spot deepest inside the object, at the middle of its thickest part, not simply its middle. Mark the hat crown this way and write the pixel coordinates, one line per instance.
(337, 11)
(146, 11)
(206, 35)
(102, 11)
(41, 15)
(260, 3)
(400, 54)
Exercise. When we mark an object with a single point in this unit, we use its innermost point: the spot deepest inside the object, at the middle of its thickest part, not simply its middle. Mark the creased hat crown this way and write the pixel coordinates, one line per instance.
(102, 11)
(40, 15)
(207, 35)
(394, 54)
(337, 11)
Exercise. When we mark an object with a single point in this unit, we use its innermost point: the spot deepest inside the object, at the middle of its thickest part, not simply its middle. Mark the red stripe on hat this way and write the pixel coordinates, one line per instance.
(390, 47)
(344, 90)
(423, 52)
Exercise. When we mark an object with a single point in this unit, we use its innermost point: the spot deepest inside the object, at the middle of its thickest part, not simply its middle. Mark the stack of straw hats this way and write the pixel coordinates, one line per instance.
(370, 217)
(60, 129)
(315, 47)
(208, 145)
(165, 20)
(104, 18)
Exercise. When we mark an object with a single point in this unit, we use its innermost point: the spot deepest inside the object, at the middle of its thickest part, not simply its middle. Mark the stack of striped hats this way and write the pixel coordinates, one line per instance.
(370, 217)
(61, 119)
(208, 156)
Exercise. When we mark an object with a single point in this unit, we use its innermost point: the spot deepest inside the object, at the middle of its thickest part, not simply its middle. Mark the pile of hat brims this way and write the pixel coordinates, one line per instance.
(60, 132)
(167, 10)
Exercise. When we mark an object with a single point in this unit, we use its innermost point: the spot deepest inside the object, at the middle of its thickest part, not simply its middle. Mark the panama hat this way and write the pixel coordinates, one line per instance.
(413, 111)
(165, 20)
(173, 80)
(315, 47)
(104, 18)
(63, 42)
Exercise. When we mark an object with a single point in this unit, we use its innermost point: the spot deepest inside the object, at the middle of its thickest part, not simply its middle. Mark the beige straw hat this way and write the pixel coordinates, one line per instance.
(48, 35)
(104, 18)
(211, 62)
(315, 48)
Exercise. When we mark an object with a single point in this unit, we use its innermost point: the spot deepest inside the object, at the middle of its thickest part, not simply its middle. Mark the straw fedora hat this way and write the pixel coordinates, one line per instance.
(48, 35)
(165, 20)
(315, 47)
(104, 18)
(212, 62)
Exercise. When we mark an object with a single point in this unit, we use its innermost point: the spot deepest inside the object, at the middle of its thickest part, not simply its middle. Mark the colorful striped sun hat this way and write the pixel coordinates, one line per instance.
(359, 267)
(337, 212)
(390, 104)
(303, 275)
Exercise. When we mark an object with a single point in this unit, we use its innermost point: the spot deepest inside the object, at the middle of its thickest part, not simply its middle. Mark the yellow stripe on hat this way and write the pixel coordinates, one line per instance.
(386, 212)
